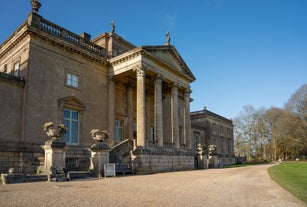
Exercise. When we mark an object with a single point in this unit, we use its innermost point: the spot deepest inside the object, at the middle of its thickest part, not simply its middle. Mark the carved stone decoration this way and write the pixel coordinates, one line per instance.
(201, 147)
(212, 150)
(112, 26)
(56, 132)
(99, 135)
(168, 38)
(35, 5)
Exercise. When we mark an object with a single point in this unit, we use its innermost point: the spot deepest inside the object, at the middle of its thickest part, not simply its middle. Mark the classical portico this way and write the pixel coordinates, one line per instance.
(149, 93)
(143, 71)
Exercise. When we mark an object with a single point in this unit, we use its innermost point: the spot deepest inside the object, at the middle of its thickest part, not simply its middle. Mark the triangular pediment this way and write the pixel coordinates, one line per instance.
(71, 102)
(170, 56)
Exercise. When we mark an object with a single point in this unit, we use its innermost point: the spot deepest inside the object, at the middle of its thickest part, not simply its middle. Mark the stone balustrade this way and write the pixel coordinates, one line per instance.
(42, 24)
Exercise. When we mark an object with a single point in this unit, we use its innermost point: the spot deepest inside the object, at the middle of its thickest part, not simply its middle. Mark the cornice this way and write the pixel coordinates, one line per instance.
(126, 56)
(64, 45)
(6, 46)
(140, 51)
(13, 80)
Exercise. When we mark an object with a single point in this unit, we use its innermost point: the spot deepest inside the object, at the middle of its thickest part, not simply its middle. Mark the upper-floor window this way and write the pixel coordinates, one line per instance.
(16, 69)
(72, 80)
(71, 120)
(214, 129)
(197, 139)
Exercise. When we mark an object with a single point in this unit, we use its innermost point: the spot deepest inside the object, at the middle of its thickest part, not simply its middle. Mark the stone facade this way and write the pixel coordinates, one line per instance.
(212, 129)
(48, 73)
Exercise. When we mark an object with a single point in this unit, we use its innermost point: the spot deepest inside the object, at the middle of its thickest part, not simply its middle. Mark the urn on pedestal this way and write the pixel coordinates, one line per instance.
(55, 151)
(99, 151)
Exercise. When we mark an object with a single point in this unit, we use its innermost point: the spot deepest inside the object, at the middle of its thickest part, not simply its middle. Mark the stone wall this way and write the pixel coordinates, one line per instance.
(23, 157)
(227, 161)
(154, 160)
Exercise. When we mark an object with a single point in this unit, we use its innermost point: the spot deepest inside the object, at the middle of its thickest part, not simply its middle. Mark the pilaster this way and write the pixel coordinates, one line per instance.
(111, 109)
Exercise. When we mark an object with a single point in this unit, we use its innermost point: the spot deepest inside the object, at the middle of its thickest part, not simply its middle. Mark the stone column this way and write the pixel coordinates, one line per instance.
(158, 111)
(175, 116)
(148, 114)
(111, 109)
(187, 118)
(140, 108)
(129, 129)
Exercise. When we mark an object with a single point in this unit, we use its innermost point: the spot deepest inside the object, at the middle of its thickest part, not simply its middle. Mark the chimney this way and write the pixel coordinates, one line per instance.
(86, 36)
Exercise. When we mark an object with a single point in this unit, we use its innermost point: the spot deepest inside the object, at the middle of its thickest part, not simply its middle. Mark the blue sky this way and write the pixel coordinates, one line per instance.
(241, 51)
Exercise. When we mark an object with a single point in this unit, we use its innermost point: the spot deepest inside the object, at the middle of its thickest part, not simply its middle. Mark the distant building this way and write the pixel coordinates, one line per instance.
(212, 129)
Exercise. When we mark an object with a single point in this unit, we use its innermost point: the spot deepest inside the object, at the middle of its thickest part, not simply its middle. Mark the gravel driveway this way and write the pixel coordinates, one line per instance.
(245, 186)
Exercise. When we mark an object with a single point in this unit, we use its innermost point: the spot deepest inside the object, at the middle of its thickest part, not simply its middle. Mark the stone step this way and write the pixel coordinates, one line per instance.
(79, 175)
(36, 178)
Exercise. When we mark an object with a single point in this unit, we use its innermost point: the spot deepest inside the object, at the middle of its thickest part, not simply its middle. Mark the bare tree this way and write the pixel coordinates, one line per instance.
(273, 133)
(297, 103)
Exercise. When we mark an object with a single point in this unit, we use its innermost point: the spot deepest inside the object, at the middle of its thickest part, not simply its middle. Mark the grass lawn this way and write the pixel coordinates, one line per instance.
(292, 176)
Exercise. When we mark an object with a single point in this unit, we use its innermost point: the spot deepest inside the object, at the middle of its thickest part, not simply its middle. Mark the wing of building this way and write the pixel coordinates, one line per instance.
(212, 129)
(141, 95)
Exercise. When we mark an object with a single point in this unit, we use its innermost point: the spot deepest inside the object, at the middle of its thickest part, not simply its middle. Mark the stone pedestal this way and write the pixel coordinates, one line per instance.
(202, 160)
(213, 161)
(55, 154)
(99, 157)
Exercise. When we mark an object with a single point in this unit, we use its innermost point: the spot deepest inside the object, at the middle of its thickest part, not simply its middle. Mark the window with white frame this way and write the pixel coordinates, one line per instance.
(119, 131)
(72, 79)
(71, 120)
(16, 69)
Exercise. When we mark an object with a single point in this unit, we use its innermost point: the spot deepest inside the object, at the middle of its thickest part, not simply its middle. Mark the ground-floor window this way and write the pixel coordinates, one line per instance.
(152, 133)
(71, 120)
(134, 130)
(119, 131)
(197, 139)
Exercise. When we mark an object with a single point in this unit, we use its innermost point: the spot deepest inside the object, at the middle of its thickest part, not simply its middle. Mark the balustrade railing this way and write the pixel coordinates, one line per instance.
(71, 37)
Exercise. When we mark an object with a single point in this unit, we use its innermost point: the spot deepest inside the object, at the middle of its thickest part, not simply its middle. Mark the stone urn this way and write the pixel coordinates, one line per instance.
(212, 150)
(100, 136)
(55, 132)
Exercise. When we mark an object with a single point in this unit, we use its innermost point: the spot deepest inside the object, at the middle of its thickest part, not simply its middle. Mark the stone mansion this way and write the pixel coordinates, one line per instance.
(141, 95)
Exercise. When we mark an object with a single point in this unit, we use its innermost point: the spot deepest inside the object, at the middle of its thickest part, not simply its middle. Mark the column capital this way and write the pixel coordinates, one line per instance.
(140, 72)
(159, 78)
(188, 90)
(175, 85)
(140, 69)
(110, 79)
